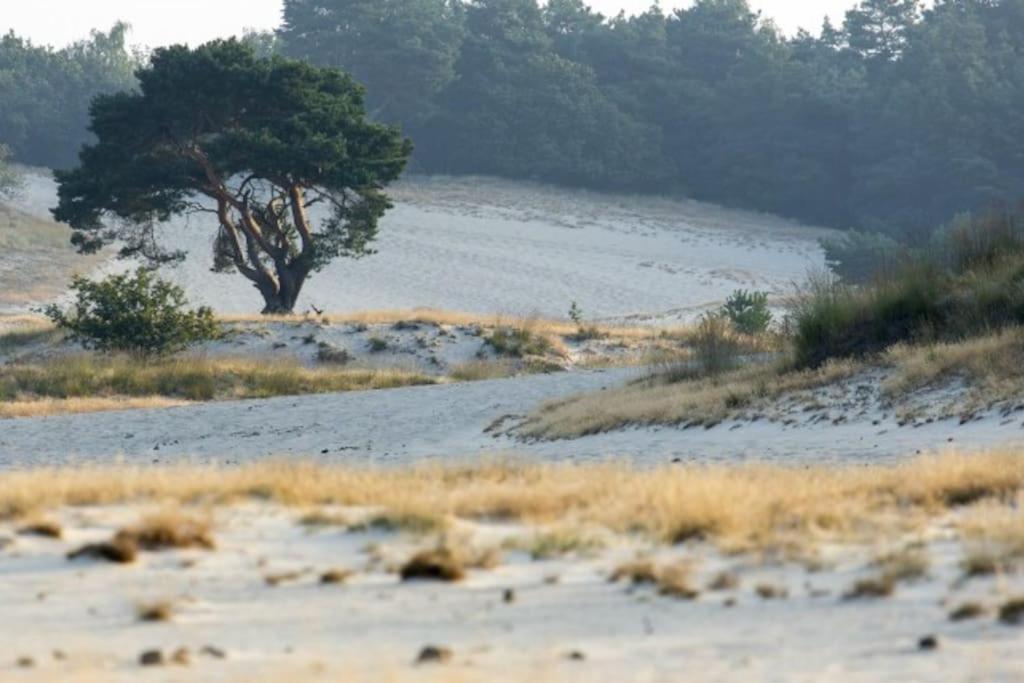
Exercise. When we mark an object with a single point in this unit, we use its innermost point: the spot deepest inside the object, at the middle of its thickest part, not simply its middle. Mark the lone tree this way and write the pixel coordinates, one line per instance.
(258, 143)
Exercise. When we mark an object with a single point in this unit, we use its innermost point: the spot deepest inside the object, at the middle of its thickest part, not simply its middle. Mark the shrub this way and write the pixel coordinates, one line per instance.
(518, 341)
(833, 320)
(858, 257)
(748, 311)
(133, 312)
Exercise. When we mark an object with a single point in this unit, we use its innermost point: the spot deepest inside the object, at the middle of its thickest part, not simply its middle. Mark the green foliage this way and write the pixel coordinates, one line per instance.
(46, 93)
(748, 311)
(969, 281)
(10, 181)
(857, 257)
(138, 313)
(262, 140)
(518, 341)
(576, 313)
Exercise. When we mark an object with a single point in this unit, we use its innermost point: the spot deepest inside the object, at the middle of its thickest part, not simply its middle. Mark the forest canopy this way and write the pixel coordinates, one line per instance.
(893, 119)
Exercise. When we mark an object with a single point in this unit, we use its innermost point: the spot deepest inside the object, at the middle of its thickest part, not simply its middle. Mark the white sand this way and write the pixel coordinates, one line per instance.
(448, 421)
(500, 247)
(372, 628)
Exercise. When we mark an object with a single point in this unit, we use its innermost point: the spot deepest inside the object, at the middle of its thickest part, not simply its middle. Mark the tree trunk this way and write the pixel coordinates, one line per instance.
(279, 297)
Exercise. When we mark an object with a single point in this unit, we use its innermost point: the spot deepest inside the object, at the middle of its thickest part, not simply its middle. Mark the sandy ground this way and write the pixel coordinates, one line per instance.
(498, 247)
(399, 426)
(77, 620)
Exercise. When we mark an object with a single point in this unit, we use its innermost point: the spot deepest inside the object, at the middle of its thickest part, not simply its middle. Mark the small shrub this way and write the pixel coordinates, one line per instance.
(377, 344)
(748, 311)
(138, 313)
(518, 341)
(576, 314)
(332, 355)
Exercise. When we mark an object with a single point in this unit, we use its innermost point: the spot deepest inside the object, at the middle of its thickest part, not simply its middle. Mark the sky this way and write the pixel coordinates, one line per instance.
(162, 22)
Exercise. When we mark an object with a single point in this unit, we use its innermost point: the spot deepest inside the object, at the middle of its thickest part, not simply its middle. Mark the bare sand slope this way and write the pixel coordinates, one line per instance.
(491, 246)
(444, 421)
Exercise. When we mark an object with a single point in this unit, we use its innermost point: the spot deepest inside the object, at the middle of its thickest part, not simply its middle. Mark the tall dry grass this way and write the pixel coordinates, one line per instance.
(700, 401)
(192, 378)
(738, 507)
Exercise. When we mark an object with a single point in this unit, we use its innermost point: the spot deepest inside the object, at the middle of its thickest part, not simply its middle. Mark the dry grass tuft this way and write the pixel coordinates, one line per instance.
(438, 564)
(674, 581)
(335, 576)
(168, 529)
(767, 591)
(906, 565)
(724, 581)
(119, 551)
(46, 528)
(161, 610)
(968, 610)
(638, 571)
(1012, 611)
(881, 586)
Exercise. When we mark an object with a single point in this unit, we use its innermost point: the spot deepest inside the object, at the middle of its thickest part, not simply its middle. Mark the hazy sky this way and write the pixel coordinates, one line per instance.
(159, 22)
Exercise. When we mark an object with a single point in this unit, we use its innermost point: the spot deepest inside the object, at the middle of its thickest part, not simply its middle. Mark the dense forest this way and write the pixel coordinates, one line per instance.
(893, 120)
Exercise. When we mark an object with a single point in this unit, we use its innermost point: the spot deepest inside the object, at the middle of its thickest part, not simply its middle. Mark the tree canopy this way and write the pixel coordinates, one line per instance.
(254, 143)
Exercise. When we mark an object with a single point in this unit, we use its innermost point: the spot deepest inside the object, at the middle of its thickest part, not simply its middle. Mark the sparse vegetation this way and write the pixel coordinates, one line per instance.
(186, 378)
(519, 341)
(780, 504)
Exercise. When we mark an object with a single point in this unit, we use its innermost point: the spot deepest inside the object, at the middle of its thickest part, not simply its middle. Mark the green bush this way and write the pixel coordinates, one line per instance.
(137, 312)
(748, 311)
(858, 257)
(518, 341)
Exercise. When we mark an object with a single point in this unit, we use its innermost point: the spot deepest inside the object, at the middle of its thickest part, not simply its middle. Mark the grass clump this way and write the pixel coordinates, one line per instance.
(968, 610)
(1011, 612)
(519, 341)
(170, 529)
(161, 610)
(42, 527)
(437, 564)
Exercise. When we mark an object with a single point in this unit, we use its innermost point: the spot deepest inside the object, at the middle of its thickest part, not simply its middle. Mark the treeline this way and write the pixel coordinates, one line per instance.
(893, 120)
(45, 93)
